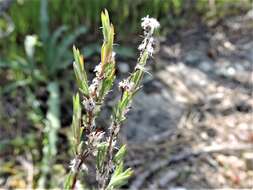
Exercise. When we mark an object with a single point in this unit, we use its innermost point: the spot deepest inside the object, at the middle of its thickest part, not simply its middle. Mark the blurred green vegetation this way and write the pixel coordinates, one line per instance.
(126, 15)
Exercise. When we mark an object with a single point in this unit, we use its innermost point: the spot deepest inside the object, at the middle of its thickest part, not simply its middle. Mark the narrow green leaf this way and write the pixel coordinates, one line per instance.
(120, 154)
(119, 177)
(68, 181)
(80, 73)
(102, 149)
(76, 122)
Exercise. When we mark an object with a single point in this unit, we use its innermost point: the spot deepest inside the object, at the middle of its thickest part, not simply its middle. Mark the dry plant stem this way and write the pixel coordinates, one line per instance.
(86, 153)
(90, 128)
(115, 126)
(82, 158)
(106, 167)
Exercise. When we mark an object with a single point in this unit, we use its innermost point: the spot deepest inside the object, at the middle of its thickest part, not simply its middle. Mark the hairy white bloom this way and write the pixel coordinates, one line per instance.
(150, 48)
(92, 88)
(140, 67)
(74, 164)
(95, 137)
(84, 167)
(94, 85)
(148, 45)
(126, 85)
(142, 46)
(149, 24)
(98, 68)
(89, 104)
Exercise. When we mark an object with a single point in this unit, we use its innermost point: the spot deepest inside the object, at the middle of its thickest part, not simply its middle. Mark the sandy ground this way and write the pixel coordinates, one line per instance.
(195, 129)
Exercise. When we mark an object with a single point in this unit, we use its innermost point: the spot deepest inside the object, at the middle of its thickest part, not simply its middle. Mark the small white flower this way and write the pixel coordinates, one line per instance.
(140, 67)
(148, 45)
(92, 88)
(150, 48)
(85, 168)
(149, 24)
(126, 85)
(94, 85)
(89, 104)
(142, 46)
(74, 164)
(100, 135)
(98, 68)
(95, 137)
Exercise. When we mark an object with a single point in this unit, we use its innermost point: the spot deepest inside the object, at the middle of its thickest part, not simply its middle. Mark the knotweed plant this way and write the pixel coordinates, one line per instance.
(87, 140)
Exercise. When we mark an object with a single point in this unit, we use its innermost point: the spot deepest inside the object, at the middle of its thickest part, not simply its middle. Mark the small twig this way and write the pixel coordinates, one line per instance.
(82, 158)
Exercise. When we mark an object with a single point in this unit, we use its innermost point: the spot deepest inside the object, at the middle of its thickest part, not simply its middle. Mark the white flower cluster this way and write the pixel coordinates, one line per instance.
(126, 85)
(147, 44)
(98, 69)
(99, 76)
(94, 139)
(149, 24)
(93, 87)
(74, 165)
(89, 104)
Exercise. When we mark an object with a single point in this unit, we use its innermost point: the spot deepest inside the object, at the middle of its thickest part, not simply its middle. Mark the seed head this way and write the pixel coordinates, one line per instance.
(95, 138)
(89, 104)
(126, 85)
(149, 24)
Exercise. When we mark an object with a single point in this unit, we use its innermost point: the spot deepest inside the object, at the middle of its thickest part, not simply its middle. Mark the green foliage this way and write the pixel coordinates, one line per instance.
(80, 73)
(119, 177)
(93, 98)
(68, 181)
(101, 155)
(94, 95)
(55, 51)
(86, 11)
(50, 138)
(76, 123)
(119, 156)
(56, 55)
(107, 57)
(171, 13)
(19, 143)
(46, 54)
